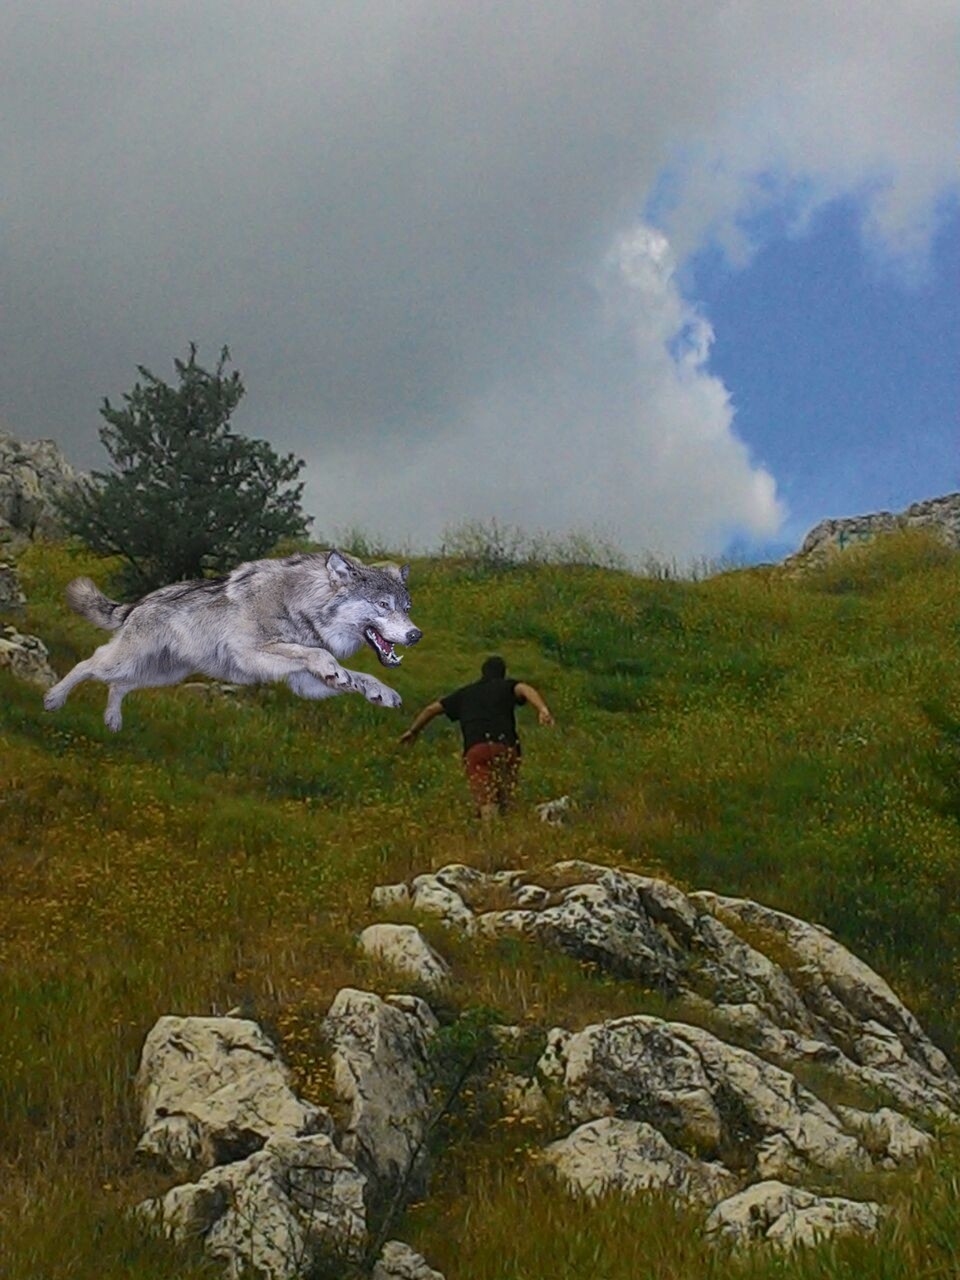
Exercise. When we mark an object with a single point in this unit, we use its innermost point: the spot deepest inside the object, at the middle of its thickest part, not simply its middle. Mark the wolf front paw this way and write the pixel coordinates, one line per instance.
(113, 720)
(382, 695)
(53, 701)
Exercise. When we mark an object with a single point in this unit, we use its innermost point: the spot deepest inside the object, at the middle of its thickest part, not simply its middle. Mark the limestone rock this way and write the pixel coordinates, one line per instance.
(628, 1155)
(32, 475)
(789, 1216)
(890, 1138)
(404, 948)
(605, 922)
(554, 812)
(280, 1213)
(11, 594)
(431, 895)
(381, 1069)
(399, 1262)
(854, 1005)
(212, 1090)
(385, 896)
(26, 657)
(940, 515)
(699, 1091)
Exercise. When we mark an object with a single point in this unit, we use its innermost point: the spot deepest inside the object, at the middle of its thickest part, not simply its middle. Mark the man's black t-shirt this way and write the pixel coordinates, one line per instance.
(485, 711)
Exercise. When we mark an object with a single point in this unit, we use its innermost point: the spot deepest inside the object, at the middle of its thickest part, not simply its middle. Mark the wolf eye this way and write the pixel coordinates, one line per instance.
(383, 604)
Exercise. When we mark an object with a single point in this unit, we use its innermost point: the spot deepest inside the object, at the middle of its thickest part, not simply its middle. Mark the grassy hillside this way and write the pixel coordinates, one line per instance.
(798, 742)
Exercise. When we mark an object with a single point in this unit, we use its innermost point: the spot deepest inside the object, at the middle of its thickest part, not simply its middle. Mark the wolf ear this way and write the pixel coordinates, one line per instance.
(404, 573)
(339, 569)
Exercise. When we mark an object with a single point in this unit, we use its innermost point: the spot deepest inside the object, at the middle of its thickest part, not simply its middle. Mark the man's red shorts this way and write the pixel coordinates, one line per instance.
(492, 772)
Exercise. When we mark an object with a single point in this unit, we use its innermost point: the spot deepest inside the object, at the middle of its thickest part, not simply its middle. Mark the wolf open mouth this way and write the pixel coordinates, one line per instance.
(382, 648)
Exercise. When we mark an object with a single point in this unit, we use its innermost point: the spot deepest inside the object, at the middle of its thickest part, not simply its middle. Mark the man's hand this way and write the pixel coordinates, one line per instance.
(409, 737)
(544, 716)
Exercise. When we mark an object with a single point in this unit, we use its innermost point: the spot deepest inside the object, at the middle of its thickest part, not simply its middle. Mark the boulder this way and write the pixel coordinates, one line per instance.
(382, 1071)
(627, 1155)
(385, 896)
(26, 657)
(399, 1262)
(404, 948)
(854, 1007)
(11, 593)
(33, 474)
(212, 1090)
(554, 812)
(941, 516)
(789, 1216)
(701, 1092)
(280, 1214)
(605, 923)
(432, 896)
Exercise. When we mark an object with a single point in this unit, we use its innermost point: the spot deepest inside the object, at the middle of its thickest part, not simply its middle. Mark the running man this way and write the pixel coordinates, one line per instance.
(491, 748)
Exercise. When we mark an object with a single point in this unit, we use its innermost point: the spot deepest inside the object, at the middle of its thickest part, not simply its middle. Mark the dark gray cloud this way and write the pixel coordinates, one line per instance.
(400, 217)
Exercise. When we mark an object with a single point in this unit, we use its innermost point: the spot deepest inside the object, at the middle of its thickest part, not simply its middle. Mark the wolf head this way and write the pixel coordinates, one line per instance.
(372, 601)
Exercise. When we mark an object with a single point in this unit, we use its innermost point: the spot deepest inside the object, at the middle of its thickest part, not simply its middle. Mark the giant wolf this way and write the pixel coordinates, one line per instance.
(289, 619)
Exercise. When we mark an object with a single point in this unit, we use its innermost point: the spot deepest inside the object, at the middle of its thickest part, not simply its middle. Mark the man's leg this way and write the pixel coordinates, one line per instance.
(506, 767)
(477, 762)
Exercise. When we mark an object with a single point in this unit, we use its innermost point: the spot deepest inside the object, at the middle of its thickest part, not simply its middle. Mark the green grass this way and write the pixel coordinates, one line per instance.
(795, 741)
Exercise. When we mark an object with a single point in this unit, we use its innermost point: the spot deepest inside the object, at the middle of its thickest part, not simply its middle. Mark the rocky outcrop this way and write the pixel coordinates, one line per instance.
(627, 1155)
(213, 1090)
(26, 657)
(716, 1104)
(403, 948)
(768, 982)
(940, 516)
(788, 1216)
(700, 1093)
(381, 1071)
(399, 1262)
(283, 1196)
(11, 593)
(280, 1213)
(33, 474)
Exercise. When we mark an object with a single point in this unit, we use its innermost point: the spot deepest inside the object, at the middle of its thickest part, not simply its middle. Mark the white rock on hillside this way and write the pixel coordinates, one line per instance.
(788, 1216)
(854, 1004)
(939, 515)
(11, 593)
(26, 657)
(280, 1213)
(432, 896)
(630, 1156)
(700, 1091)
(827, 1007)
(382, 1070)
(32, 474)
(605, 922)
(404, 948)
(212, 1090)
(399, 1262)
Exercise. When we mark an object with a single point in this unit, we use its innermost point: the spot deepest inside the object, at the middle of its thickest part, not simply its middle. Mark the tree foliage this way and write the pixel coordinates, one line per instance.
(187, 497)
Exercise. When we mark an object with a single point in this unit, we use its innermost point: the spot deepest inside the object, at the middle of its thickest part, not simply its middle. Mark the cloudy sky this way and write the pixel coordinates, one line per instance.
(681, 273)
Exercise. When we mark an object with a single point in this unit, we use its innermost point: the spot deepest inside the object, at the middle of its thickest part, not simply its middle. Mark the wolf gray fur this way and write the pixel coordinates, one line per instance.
(291, 619)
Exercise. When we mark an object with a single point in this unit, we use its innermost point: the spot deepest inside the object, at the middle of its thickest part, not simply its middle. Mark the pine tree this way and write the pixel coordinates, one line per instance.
(187, 497)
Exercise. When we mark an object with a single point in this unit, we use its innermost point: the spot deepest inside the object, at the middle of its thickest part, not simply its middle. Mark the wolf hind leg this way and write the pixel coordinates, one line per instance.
(113, 717)
(88, 669)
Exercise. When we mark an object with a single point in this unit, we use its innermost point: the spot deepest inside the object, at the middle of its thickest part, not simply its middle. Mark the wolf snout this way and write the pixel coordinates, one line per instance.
(413, 636)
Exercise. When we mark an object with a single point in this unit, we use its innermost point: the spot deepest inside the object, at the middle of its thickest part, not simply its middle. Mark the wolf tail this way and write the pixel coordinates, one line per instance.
(86, 598)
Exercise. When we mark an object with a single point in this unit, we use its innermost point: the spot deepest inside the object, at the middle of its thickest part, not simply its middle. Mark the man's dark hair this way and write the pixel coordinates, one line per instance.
(494, 668)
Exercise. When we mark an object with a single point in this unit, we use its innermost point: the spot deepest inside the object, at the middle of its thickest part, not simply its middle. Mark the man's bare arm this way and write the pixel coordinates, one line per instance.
(533, 697)
(429, 712)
